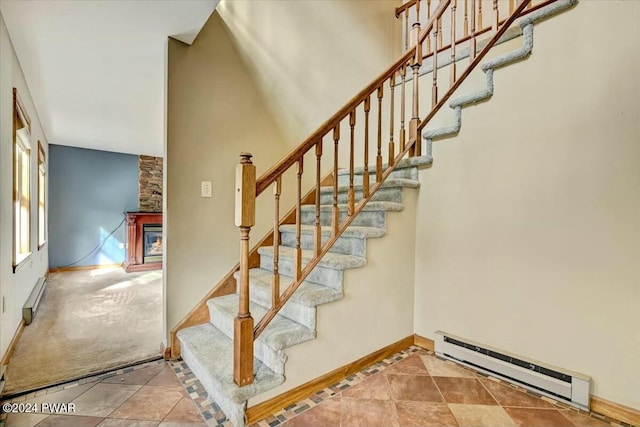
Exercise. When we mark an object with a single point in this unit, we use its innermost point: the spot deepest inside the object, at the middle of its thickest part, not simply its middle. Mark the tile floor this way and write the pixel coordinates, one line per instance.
(420, 389)
(410, 388)
(149, 395)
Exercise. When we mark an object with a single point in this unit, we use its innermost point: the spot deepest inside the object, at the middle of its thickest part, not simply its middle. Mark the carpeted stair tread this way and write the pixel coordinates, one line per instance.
(209, 354)
(281, 332)
(301, 307)
(389, 183)
(409, 162)
(330, 260)
(351, 231)
(371, 206)
(525, 25)
(308, 294)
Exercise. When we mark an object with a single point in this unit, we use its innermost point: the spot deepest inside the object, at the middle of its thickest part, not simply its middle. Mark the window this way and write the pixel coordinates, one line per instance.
(21, 182)
(42, 196)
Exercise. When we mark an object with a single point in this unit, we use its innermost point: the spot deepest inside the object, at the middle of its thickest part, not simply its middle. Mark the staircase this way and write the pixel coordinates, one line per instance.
(207, 348)
(306, 266)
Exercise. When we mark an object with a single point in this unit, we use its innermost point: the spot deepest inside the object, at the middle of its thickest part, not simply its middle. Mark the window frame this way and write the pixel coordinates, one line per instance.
(42, 196)
(21, 191)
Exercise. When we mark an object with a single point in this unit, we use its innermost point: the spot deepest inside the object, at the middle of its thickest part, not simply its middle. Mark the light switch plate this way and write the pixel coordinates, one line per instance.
(205, 189)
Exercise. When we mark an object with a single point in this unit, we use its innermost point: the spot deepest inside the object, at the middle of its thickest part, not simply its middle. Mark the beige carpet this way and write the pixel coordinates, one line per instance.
(88, 321)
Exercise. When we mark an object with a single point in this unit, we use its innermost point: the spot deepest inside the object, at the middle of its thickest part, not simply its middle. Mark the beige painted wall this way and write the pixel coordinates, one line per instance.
(214, 111)
(286, 66)
(529, 221)
(16, 287)
(310, 57)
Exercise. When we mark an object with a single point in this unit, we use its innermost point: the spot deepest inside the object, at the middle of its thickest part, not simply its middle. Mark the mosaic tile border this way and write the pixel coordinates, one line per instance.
(216, 418)
(211, 412)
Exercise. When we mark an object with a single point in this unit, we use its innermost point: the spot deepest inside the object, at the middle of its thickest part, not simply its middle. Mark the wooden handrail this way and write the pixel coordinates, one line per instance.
(405, 6)
(227, 285)
(437, 14)
(485, 30)
(268, 177)
(273, 311)
(502, 29)
(248, 188)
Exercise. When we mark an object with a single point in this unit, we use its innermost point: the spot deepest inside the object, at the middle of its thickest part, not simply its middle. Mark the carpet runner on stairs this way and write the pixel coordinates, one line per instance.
(208, 348)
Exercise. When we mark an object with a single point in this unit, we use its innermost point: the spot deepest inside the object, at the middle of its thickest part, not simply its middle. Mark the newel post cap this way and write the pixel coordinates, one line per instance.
(245, 158)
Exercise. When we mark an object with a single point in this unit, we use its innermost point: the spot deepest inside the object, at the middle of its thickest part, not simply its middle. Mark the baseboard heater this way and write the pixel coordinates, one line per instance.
(30, 307)
(560, 384)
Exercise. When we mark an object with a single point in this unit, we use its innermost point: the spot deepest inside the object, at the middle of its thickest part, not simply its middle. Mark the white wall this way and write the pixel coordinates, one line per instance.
(529, 221)
(16, 287)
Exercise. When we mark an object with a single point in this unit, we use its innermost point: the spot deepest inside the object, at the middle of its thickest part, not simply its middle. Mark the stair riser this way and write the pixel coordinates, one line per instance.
(365, 218)
(302, 314)
(391, 194)
(320, 275)
(345, 245)
(274, 360)
(409, 173)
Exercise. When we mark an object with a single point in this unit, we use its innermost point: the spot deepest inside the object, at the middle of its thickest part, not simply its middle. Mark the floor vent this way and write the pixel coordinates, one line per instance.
(30, 307)
(560, 384)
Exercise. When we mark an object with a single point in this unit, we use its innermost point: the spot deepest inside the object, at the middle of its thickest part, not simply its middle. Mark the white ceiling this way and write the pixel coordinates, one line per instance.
(96, 68)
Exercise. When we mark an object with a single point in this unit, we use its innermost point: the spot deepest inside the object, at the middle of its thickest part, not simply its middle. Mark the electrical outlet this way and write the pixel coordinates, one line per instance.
(205, 188)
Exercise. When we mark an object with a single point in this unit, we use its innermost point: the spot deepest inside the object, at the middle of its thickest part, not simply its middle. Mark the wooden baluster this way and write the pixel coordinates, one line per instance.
(403, 135)
(529, 5)
(434, 87)
(275, 289)
(480, 27)
(453, 43)
(365, 176)
(418, 12)
(496, 16)
(318, 229)
(466, 19)
(415, 117)
(406, 29)
(335, 222)
(512, 4)
(472, 42)
(392, 146)
(245, 218)
(439, 33)
(428, 18)
(352, 193)
(297, 259)
(379, 157)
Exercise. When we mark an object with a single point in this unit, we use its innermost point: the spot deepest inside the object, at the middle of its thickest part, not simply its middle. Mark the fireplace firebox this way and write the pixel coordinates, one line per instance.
(144, 241)
(152, 241)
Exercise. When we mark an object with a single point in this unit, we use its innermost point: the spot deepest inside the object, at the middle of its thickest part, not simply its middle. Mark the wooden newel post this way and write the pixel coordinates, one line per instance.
(415, 117)
(245, 219)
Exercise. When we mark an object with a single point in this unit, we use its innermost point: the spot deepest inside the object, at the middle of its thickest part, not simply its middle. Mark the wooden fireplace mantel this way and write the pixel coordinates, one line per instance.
(134, 258)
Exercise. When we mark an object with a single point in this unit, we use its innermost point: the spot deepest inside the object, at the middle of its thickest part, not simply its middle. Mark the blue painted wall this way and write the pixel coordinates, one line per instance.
(89, 190)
